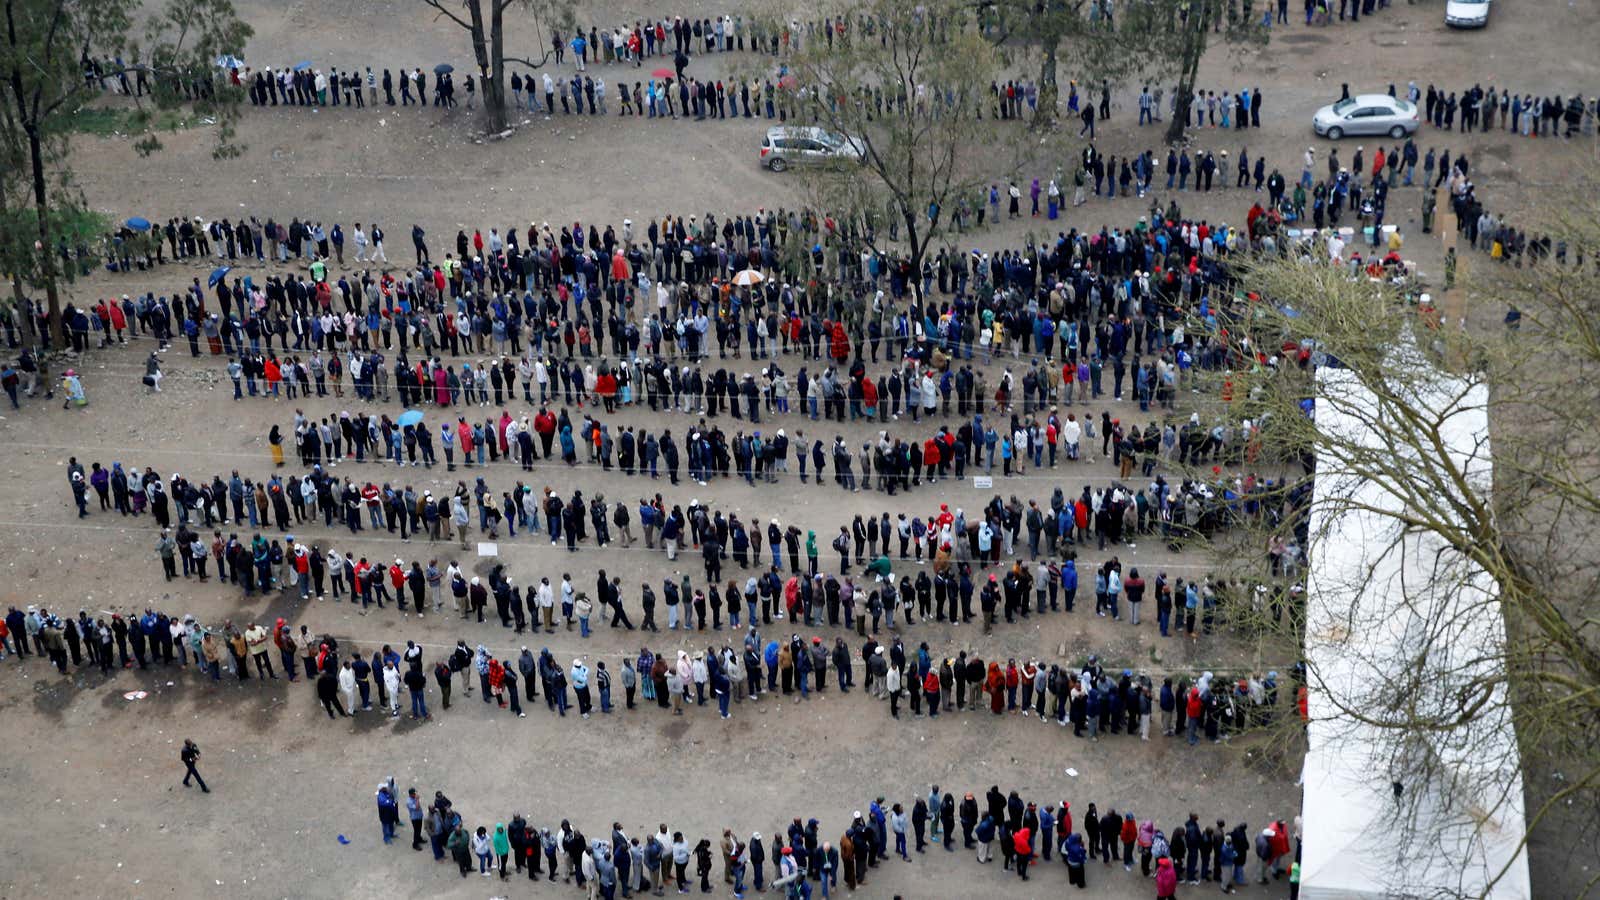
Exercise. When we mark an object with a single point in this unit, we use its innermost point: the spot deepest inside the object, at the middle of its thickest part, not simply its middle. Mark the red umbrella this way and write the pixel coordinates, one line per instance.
(664, 73)
(787, 82)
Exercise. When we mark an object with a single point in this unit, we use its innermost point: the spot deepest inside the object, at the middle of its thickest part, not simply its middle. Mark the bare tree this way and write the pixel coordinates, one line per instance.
(44, 48)
(484, 21)
(915, 100)
(1458, 710)
(1102, 44)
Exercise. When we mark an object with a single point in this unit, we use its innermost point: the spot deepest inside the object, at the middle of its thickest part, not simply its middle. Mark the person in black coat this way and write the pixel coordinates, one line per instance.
(328, 693)
(919, 822)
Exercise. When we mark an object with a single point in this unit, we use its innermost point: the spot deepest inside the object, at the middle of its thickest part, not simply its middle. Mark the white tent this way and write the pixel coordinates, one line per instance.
(1377, 596)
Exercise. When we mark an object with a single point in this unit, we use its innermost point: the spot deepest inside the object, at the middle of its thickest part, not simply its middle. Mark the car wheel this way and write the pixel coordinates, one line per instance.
(778, 164)
(1397, 132)
(1335, 133)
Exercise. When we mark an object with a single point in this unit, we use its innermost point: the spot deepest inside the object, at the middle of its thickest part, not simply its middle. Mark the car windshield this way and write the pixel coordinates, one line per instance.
(1403, 106)
(831, 138)
(1344, 105)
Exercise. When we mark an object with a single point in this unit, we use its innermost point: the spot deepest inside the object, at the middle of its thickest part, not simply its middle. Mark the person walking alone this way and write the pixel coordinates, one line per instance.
(191, 755)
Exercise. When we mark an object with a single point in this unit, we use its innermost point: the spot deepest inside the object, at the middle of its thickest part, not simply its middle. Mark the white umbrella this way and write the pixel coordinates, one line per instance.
(748, 277)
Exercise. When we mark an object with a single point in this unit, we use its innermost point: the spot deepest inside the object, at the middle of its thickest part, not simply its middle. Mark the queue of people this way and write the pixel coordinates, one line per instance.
(797, 861)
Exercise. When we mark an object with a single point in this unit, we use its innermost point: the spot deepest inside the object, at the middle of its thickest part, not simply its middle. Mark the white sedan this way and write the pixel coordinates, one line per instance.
(1367, 114)
(1466, 13)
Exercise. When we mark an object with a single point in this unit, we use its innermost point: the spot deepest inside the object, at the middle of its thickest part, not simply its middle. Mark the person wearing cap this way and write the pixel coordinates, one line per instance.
(579, 676)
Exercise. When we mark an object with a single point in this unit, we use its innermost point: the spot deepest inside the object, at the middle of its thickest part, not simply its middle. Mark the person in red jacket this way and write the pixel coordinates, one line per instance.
(1192, 711)
(1129, 835)
(497, 682)
(464, 439)
(273, 375)
(995, 684)
(1280, 847)
(119, 322)
(301, 560)
(606, 387)
(397, 579)
(359, 582)
(1166, 879)
(500, 432)
(841, 343)
(1022, 841)
(930, 688)
(930, 458)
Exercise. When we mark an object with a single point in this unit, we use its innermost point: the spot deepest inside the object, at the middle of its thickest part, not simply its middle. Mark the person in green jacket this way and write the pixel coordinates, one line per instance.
(881, 567)
(811, 550)
(502, 846)
(460, 848)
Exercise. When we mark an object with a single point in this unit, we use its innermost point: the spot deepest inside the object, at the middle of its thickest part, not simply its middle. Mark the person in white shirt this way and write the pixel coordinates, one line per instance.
(391, 684)
(546, 600)
(361, 243)
(347, 687)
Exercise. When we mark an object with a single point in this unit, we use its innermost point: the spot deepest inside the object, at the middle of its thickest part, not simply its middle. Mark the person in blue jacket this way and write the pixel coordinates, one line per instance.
(985, 836)
(388, 812)
(1072, 850)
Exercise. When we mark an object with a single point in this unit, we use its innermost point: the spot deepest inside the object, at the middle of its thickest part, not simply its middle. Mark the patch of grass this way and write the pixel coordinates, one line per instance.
(106, 121)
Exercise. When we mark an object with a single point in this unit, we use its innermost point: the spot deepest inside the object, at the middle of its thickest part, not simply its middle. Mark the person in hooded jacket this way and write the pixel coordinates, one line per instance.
(1166, 879)
(1072, 850)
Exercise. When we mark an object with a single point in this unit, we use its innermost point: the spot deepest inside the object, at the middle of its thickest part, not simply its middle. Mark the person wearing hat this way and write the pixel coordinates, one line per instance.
(72, 388)
(579, 676)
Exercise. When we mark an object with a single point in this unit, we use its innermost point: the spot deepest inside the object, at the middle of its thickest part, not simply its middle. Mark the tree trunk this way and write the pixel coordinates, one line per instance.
(1045, 115)
(918, 244)
(17, 294)
(1194, 47)
(47, 262)
(493, 106)
(494, 90)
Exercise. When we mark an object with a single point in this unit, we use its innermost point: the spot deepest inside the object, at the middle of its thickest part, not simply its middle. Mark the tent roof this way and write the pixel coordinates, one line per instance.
(1397, 612)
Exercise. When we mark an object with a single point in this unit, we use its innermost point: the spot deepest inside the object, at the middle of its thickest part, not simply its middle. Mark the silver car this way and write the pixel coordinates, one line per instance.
(787, 146)
(1367, 114)
(1466, 13)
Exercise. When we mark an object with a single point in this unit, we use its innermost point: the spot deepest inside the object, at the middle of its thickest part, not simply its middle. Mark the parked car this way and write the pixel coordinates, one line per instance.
(1367, 114)
(1466, 13)
(787, 146)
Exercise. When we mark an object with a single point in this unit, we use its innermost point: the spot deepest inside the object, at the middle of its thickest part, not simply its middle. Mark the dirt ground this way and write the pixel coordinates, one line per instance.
(286, 782)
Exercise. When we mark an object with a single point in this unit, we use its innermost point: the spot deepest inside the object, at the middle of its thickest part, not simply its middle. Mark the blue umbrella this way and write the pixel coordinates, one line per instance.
(442, 68)
(217, 275)
(410, 417)
(139, 223)
(302, 65)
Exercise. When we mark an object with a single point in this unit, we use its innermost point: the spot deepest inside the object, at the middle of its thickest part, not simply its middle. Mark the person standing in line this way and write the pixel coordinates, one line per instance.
(414, 810)
(191, 755)
(328, 692)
